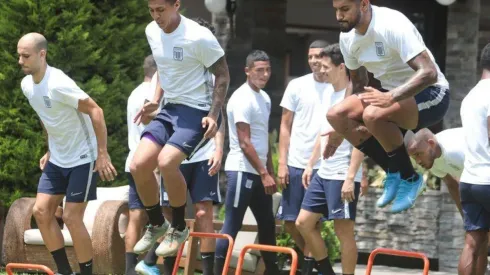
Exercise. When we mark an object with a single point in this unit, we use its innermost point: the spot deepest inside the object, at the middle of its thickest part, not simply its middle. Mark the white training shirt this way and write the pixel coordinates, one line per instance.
(475, 110)
(254, 108)
(135, 102)
(71, 136)
(451, 160)
(389, 43)
(182, 58)
(304, 97)
(337, 166)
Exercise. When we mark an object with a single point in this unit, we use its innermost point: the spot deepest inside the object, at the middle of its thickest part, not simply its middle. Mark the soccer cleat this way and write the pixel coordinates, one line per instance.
(152, 234)
(144, 269)
(407, 194)
(173, 239)
(391, 183)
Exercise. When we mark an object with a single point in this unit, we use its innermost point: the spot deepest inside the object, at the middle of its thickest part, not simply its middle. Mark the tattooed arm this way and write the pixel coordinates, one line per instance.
(222, 80)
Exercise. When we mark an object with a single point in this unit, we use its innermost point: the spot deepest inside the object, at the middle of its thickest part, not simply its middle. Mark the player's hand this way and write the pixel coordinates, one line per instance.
(147, 109)
(215, 162)
(306, 177)
(364, 186)
(211, 125)
(44, 160)
(269, 183)
(333, 142)
(376, 98)
(283, 175)
(348, 191)
(104, 166)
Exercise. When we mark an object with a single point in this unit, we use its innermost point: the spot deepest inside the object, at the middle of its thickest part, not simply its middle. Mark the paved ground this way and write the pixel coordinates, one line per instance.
(386, 270)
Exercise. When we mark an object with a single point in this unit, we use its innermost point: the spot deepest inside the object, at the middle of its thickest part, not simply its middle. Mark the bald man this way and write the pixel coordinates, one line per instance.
(442, 154)
(76, 153)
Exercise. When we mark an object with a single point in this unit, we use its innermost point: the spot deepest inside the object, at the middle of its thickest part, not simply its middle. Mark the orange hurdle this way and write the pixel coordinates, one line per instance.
(12, 266)
(269, 248)
(394, 252)
(207, 235)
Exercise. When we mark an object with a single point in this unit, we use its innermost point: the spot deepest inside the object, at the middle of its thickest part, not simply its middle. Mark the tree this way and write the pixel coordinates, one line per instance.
(100, 44)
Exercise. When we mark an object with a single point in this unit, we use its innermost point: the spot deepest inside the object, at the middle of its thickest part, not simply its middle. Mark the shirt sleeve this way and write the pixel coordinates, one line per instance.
(405, 39)
(438, 172)
(68, 93)
(208, 49)
(290, 99)
(350, 61)
(242, 113)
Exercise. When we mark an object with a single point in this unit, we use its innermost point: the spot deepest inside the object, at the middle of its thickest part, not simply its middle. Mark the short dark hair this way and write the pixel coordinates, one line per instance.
(485, 58)
(333, 51)
(149, 66)
(205, 24)
(319, 44)
(256, 55)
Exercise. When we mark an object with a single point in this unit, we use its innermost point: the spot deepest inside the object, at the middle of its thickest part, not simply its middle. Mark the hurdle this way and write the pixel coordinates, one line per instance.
(10, 267)
(269, 248)
(400, 253)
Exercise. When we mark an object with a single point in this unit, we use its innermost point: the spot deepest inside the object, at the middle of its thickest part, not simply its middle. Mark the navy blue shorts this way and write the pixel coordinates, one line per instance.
(134, 201)
(325, 197)
(433, 103)
(475, 199)
(180, 126)
(78, 184)
(201, 186)
(293, 195)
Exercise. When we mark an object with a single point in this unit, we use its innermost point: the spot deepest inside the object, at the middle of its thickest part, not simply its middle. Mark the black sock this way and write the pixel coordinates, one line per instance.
(86, 268)
(400, 158)
(489, 251)
(131, 261)
(373, 149)
(219, 264)
(168, 265)
(308, 265)
(325, 267)
(155, 215)
(151, 257)
(61, 260)
(178, 217)
(207, 263)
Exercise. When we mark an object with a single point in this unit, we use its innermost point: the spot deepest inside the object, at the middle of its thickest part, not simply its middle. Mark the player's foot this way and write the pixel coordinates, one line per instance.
(391, 183)
(407, 194)
(152, 234)
(173, 239)
(144, 269)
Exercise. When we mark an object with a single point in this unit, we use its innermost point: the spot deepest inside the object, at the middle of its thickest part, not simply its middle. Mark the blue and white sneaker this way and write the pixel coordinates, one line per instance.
(391, 183)
(144, 269)
(407, 194)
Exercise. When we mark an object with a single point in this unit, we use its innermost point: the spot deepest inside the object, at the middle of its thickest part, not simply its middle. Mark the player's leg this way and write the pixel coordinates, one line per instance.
(476, 209)
(313, 208)
(136, 223)
(50, 193)
(238, 196)
(344, 216)
(345, 118)
(82, 188)
(204, 191)
(425, 109)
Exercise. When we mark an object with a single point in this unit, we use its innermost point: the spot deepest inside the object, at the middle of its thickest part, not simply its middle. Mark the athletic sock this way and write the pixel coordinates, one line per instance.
(168, 265)
(151, 257)
(155, 215)
(207, 263)
(86, 268)
(373, 149)
(308, 265)
(178, 217)
(325, 267)
(131, 261)
(219, 264)
(400, 157)
(61, 260)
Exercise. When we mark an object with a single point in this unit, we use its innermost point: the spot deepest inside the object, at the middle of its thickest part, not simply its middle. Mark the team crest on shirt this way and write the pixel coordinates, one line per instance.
(380, 48)
(47, 101)
(178, 53)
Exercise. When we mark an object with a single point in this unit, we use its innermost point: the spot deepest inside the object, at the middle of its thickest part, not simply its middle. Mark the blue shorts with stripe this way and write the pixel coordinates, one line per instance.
(78, 184)
(180, 126)
(475, 201)
(202, 187)
(324, 196)
(433, 104)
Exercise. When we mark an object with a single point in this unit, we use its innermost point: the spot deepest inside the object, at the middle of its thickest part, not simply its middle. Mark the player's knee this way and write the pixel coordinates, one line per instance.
(165, 164)
(336, 114)
(370, 115)
(344, 229)
(475, 240)
(137, 217)
(303, 226)
(41, 213)
(72, 218)
(136, 167)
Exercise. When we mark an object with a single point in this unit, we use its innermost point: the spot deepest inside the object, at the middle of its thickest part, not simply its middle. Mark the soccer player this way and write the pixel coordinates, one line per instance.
(414, 94)
(248, 166)
(187, 55)
(474, 184)
(333, 191)
(300, 124)
(442, 154)
(77, 151)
